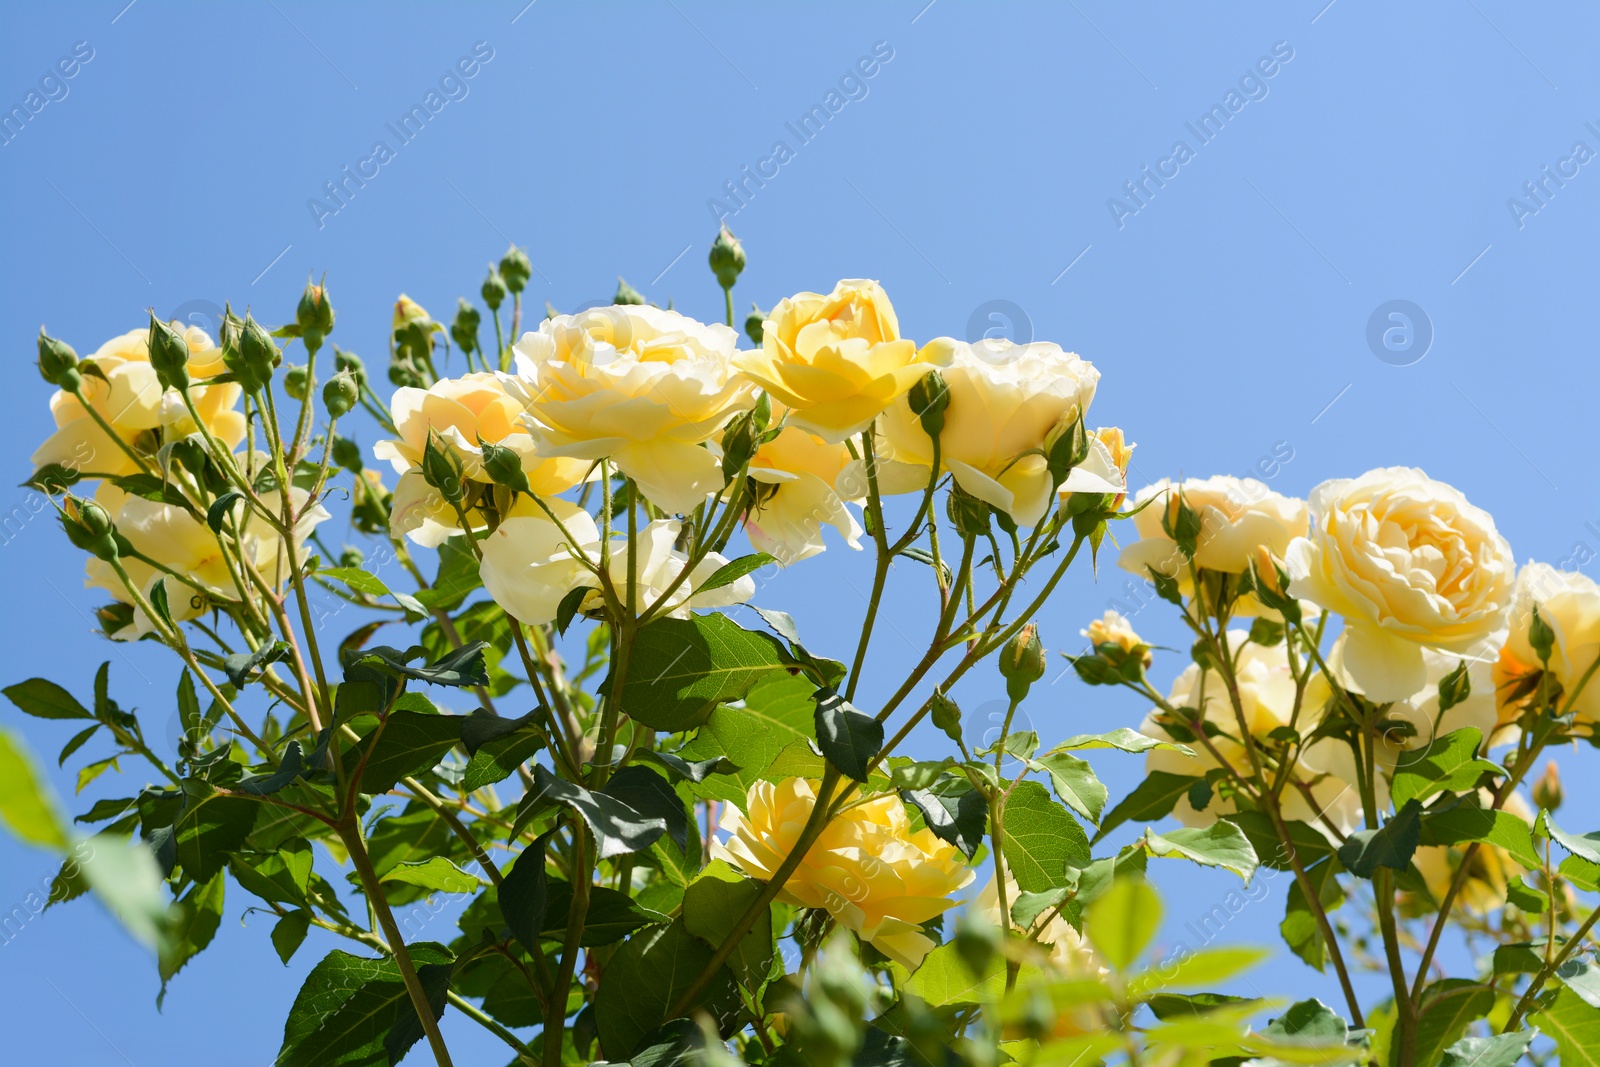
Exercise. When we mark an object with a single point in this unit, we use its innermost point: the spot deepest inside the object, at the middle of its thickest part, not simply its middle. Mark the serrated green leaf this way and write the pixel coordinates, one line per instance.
(777, 711)
(1123, 739)
(1501, 1050)
(347, 1008)
(1449, 763)
(681, 669)
(849, 738)
(437, 874)
(1075, 783)
(194, 923)
(1447, 1008)
(1152, 799)
(1392, 845)
(645, 976)
(407, 743)
(1042, 839)
(1574, 1025)
(44, 699)
(1222, 844)
(713, 903)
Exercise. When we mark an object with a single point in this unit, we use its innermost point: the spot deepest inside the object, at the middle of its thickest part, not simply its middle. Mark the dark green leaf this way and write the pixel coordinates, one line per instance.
(407, 743)
(407, 1029)
(267, 784)
(732, 571)
(238, 667)
(682, 668)
(462, 667)
(1390, 846)
(219, 509)
(1152, 799)
(611, 917)
(523, 894)
(649, 794)
(713, 903)
(1467, 822)
(777, 711)
(646, 976)
(1449, 764)
(210, 827)
(45, 700)
(954, 811)
(498, 746)
(347, 1007)
(194, 923)
(78, 740)
(685, 771)
(1165, 1006)
(848, 738)
(567, 610)
(1042, 839)
(290, 933)
(618, 827)
(1447, 1008)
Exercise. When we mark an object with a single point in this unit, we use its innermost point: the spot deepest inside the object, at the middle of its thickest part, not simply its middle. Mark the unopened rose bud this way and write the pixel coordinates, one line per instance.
(408, 311)
(727, 258)
(251, 354)
(738, 444)
(494, 289)
(351, 557)
(504, 466)
(1066, 445)
(754, 325)
(169, 355)
(314, 315)
(1267, 571)
(516, 269)
(1547, 792)
(967, 513)
(296, 381)
(58, 363)
(946, 714)
(627, 294)
(464, 330)
(1541, 637)
(441, 468)
(347, 454)
(339, 395)
(1022, 661)
(929, 398)
(1113, 629)
(350, 362)
(89, 527)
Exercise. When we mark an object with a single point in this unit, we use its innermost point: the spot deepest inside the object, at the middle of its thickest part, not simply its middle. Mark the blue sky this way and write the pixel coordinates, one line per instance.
(979, 172)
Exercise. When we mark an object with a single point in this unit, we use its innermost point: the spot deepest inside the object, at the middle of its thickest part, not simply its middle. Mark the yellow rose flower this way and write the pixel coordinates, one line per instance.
(1071, 957)
(1324, 792)
(132, 402)
(1569, 603)
(867, 869)
(836, 361)
(1237, 516)
(645, 387)
(1114, 629)
(1409, 564)
(529, 566)
(1008, 402)
(800, 488)
(460, 411)
(1421, 709)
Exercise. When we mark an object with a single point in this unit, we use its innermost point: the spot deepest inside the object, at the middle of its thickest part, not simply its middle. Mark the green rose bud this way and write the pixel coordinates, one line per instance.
(727, 258)
(627, 294)
(1022, 661)
(504, 466)
(754, 325)
(250, 353)
(351, 557)
(1547, 792)
(1066, 446)
(89, 527)
(967, 513)
(738, 444)
(347, 454)
(296, 381)
(351, 363)
(464, 330)
(340, 394)
(58, 363)
(929, 398)
(516, 269)
(169, 355)
(1541, 637)
(946, 715)
(314, 315)
(494, 289)
(441, 468)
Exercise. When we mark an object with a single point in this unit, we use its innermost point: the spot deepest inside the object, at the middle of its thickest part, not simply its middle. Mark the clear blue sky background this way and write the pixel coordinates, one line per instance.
(1229, 314)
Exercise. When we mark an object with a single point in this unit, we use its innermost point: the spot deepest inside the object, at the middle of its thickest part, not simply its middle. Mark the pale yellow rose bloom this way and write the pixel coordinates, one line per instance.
(1008, 403)
(643, 387)
(838, 360)
(529, 566)
(1236, 516)
(867, 869)
(1409, 564)
(1324, 791)
(1070, 956)
(800, 488)
(461, 411)
(132, 402)
(1421, 709)
(1113, 628)
(1569, 603)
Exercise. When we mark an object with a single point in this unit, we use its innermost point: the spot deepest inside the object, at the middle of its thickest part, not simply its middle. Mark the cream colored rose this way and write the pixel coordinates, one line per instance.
(645, 387)
(1008, 402)
(799, 489)
(838, 360)
(1110, 454)
(1569, 603)
(867, 869)
(1409, 564)
(1323, 792)
(1421, 709)
(1113, 628)
(461, 411)
(132, 402)
(529, 566)
(1236, 516)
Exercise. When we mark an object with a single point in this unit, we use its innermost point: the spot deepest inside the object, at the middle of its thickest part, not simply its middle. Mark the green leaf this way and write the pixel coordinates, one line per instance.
(953, 810)
(1468, 822)
(497, 747)
(1166, 1006)
(1305, 842)
(713, 903)
(848, 738)
(26, 806)
(1581, 975)
(1501, 1050)
(1575, 1027)
(1205, 967)
(945, 978)
(619, 828)
(407, 1029)
(238, 667)
(1300, 929)
(1521, 895)
(1447, 1008)
(1074, 782)
(683, 668)
(290, 933)
(524, 893)
(684, 771)
(1584, 846)
(194, 923)
(649, 794)
(611, 917)
(1222, 844)
(45, 699)
(347, 1007)
(1309, 1021)
(219, 509)
(1154, 798)
(1029, 906)
(1042, 839)
(778, 710)
(1449, 764)
(732, 571)
(461, 667)
(645, 977)
(437, 874)
(407, 743)
(1581, 873)
(1123, 739)
(1390, 846)
(210, 827)
(267, 784)
(1122, 923)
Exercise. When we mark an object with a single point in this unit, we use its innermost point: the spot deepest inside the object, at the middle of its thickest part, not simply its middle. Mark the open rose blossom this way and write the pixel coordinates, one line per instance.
(867, 869)
(643, 387)
(1569, 604)
(1409, 564)
(799, 489)
(837, 360)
